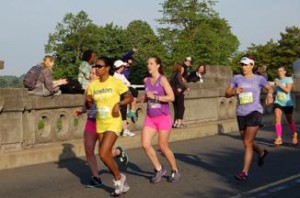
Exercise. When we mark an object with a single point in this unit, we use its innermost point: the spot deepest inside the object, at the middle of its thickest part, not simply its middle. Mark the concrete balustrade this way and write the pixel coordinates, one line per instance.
(33, 129)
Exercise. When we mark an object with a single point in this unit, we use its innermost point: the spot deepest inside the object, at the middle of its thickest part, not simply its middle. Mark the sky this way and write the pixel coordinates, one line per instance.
(26, 24)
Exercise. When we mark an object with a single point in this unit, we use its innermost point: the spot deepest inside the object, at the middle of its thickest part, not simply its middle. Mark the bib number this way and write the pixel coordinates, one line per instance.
(245, 98)
(281, 96)
(103, 113)
(154, 105)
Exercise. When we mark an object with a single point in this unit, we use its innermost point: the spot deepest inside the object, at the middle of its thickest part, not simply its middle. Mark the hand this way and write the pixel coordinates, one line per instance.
(76, 113)
(238, 90)
(269, 100)
(142, 99)
(179, 90)
(116, 110)
(62, 81)
(277, 83)
(150, 95)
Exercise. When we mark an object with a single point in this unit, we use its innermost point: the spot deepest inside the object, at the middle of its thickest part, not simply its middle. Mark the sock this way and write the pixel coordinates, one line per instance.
(292, 127)
(278, 129)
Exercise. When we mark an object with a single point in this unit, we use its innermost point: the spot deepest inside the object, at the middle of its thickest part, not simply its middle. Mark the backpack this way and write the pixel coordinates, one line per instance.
(31, 77)
(73, 87)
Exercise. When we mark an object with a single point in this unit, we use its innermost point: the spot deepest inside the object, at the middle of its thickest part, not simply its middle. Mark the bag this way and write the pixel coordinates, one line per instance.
(31, 77)
(73, 87)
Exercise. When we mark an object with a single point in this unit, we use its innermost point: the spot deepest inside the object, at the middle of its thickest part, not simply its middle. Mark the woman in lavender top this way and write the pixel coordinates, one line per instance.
(247, 87)
(158, 120)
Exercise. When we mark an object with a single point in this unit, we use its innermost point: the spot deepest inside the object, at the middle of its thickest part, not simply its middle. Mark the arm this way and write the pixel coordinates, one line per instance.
(128, 55)
(169, 97)
(286, 89)
(127, 100)
(48, 80)
(181, 82)
(270, 90)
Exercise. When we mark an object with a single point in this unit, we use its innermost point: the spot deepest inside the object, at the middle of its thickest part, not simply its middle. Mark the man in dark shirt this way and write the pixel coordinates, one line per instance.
(187, 64)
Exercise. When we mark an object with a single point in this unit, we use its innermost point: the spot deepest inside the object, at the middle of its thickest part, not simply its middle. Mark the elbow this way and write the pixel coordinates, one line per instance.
(172, 98)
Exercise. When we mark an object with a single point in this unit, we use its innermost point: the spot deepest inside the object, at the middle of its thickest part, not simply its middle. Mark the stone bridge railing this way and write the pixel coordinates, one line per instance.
(31, 121)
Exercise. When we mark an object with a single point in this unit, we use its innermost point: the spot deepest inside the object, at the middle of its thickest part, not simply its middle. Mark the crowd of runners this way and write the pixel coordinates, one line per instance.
(111, 99)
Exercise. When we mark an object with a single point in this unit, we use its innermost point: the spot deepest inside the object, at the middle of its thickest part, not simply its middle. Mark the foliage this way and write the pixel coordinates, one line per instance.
(273, 54)
(11, 81)
(193, 28)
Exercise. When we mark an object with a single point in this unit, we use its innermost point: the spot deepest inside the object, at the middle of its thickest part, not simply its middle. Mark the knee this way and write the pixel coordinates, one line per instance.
(146, 146)
(164, 147)
(248, 143)
(104, 155)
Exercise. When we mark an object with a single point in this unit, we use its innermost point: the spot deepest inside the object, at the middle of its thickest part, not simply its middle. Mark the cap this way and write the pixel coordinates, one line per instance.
(119, 63)
(247, 61)
(189, 59)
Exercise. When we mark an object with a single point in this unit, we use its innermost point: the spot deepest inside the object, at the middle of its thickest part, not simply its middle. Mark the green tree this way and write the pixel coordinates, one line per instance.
(192, 27)
(274, 54)
(140, 35)
(74, 35)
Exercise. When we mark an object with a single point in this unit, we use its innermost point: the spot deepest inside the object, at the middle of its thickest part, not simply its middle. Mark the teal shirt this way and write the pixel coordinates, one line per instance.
(282, 98)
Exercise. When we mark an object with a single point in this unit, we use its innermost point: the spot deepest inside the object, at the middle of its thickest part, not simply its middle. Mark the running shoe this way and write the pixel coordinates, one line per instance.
(95, 182)
(128, 133)
(158, 175)
(121, 186)
(261, 161)
(242, 177)
(278, 141)
(123, 157)
(133, 115)
(174, 126)
(295, 139)
(174, 177)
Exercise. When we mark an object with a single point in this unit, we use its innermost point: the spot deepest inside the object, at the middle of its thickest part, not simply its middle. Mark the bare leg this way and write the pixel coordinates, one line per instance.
(249, 136)
(147, 137)
(108, 140)
(90, 140)
(163, 142)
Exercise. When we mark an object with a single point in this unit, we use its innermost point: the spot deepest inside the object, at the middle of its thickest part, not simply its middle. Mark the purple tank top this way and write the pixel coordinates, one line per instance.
(155, 108)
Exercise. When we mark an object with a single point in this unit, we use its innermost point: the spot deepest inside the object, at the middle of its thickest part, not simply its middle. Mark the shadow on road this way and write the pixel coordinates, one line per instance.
(77, 166)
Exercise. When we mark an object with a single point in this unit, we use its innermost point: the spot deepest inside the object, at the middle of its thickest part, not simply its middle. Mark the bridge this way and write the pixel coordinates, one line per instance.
(41, 144)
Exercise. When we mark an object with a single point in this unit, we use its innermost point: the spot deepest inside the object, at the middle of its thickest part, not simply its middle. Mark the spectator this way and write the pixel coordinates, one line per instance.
(179, 88)
(262, 71)
(118, 68)
(187, 64)
(45, 86)
(197, 75)
(88, 59)
(129, 60)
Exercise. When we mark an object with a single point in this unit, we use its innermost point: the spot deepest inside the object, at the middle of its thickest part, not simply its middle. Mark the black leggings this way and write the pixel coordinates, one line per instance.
(179, 106)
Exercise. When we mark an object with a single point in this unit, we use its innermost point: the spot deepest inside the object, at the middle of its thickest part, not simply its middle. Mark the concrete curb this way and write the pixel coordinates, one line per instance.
(66, 150)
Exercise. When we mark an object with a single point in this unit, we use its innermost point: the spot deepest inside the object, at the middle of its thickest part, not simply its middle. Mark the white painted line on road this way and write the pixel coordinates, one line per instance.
(274, 187)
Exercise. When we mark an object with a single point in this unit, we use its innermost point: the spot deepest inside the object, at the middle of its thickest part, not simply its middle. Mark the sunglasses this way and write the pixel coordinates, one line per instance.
(98, 66)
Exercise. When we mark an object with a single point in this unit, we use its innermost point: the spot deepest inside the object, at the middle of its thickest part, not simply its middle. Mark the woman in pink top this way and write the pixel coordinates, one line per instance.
(158, 120)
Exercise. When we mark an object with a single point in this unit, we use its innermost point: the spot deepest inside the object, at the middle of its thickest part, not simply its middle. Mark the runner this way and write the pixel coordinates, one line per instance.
(247, 87)
(158, 120)
(91, 137)
(106, 93)
(284, 104)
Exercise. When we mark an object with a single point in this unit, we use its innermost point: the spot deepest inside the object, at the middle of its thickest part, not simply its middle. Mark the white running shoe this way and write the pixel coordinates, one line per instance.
(128, 133)
(121, 186)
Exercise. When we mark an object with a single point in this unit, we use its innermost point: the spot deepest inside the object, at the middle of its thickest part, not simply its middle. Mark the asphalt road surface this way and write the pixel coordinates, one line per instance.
(207, 166)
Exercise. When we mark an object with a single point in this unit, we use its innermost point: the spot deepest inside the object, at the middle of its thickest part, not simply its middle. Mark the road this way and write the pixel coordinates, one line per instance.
(207, 166)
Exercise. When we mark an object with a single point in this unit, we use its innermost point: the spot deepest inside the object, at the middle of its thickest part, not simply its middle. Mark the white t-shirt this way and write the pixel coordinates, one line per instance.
(199, 75)
(122, 78)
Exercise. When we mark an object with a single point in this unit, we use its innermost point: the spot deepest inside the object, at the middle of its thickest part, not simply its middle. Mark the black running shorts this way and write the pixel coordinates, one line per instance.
(252, 119)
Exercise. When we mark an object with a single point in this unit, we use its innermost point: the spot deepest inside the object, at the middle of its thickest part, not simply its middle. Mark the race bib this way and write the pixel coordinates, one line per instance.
(154, 105)
(103, 113)
(281, 96)
(245, 98)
